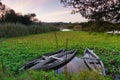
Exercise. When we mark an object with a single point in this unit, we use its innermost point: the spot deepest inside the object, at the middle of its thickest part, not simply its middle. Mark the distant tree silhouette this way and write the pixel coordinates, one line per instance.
(2, 8)
(9, 15)
(101, 10)
(13, 17)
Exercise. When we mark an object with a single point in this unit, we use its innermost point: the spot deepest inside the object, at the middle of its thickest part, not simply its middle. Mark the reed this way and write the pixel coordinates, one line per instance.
(15, 30)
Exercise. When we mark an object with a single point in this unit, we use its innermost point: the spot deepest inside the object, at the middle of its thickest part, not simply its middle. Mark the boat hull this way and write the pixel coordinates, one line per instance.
(53, 61)
(93, 62)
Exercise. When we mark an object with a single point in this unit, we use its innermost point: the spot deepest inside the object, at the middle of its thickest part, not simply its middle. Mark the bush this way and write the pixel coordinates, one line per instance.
(99, 26)
(77, 27)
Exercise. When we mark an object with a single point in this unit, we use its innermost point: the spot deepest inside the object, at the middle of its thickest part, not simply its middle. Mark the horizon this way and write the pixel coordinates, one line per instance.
(46, 11)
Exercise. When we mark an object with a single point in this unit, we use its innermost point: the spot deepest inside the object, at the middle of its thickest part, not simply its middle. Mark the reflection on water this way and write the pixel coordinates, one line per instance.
(65, 30)
(113, 32)
(75, 65)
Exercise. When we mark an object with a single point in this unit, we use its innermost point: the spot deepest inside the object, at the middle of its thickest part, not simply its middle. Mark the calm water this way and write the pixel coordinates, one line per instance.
(75, 65)
(113, 32)
(66, 30)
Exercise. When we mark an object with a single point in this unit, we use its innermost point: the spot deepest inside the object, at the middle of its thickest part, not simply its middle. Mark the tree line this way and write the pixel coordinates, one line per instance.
(10, 16)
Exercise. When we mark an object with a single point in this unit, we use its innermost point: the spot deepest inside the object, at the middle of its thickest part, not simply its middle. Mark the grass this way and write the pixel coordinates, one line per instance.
(16, 51)
(41, 75)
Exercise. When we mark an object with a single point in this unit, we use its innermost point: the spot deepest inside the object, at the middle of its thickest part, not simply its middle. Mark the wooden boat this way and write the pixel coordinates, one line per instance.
(51, 60)
(93, 62)
(34, 61)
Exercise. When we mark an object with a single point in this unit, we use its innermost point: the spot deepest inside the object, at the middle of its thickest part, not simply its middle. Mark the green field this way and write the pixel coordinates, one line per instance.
(16, 51)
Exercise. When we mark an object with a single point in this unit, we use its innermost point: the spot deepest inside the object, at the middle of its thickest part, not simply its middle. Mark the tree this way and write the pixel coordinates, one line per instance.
(9, 15)
(12, 17)
(2, 9)
(96, 10)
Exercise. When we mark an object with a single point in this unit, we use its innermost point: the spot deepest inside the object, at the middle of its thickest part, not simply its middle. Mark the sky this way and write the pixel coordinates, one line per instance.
(46, 10)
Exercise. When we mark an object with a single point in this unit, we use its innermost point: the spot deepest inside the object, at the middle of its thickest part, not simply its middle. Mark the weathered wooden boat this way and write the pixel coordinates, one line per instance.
(93, 62)
(51, 60)
(34, 61)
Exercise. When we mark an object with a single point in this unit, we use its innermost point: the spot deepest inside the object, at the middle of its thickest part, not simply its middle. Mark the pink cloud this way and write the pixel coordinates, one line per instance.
(46, 10)
(24, 6)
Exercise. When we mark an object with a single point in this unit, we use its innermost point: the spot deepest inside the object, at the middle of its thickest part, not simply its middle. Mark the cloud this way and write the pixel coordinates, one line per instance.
(54, 15)
(62, 16)
(24, 6)
(58, 13)
(46, 10)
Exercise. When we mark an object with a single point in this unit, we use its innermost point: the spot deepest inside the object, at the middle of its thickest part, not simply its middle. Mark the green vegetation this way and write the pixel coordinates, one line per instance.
(99, 26)
(92, 26)
(16, 51)
(41, 75)
(14, 30)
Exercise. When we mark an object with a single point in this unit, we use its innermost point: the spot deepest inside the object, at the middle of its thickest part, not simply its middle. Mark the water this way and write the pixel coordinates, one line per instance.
(66, 30)
(76, 65)
(113, 32)
(116, 77)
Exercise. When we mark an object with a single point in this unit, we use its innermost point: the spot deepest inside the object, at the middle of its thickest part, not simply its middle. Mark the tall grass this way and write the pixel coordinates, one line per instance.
(13, 30)
(35, 29)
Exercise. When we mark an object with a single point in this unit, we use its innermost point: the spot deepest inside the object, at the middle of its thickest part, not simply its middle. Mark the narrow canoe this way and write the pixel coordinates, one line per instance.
(51, 61)
(93, 62)
(33, 62)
